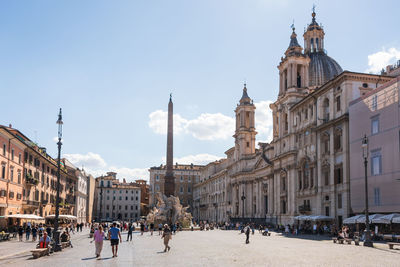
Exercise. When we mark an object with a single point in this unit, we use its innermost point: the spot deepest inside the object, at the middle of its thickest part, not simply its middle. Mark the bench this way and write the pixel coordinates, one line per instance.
(348, 240)
(392, 244)
(339, 241)
(65, 244)
(39, 252)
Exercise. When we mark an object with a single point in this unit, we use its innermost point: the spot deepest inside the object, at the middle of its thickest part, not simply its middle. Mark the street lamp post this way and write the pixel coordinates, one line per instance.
(367, 241)
(56, 232)
(243, 198)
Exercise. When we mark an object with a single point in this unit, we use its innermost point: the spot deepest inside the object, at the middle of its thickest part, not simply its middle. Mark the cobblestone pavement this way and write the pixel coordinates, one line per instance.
(216, 248)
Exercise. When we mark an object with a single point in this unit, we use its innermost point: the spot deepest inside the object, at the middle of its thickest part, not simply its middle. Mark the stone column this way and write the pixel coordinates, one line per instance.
(307, 82)
(289, 75)
(291, 191)
(260, 198)
(332, 196)
(277, 196)
(346, 170)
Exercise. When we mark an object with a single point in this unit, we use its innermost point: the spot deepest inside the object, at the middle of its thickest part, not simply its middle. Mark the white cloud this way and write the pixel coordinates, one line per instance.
(90, 160)
(94, 164)
(158, 122)
(381, 59)
(264, 121)
(200, 159)
(213, 126)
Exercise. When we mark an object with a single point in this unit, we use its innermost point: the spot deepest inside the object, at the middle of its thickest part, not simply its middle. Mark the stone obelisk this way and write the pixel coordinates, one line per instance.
(169, 179)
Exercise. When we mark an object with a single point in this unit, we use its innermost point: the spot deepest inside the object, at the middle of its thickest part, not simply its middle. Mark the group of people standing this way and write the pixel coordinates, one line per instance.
(114, 235)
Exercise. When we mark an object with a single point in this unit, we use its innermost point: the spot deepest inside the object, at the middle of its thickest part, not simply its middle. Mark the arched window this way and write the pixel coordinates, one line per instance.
(298, 80)
(326, 109)
(286, 81)
(338, 139)
(285, 121)
(306, 174)
(300, 180)
(283, 184)
(317, 44)
(325, 143)
(312, 44)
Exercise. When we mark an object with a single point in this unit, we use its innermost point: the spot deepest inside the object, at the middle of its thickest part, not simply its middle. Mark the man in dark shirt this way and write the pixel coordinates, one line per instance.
(48, 230)
(130, 230)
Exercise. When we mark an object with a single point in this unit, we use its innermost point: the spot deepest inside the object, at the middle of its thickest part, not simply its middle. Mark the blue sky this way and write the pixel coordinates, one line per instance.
(112, 64)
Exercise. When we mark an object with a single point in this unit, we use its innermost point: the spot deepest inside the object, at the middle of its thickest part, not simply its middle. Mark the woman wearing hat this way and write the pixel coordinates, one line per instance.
(167, 236)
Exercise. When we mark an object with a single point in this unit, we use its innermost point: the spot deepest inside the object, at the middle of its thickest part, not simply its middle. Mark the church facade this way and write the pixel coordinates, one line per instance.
(305, 168)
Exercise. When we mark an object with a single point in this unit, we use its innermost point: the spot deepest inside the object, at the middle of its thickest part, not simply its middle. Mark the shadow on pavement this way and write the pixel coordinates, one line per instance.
(161, 252)
(90, 258)
(306, 237)
(102, 259)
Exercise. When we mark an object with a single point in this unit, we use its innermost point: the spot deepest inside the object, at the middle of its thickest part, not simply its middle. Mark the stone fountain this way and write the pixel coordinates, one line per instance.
(169, 210)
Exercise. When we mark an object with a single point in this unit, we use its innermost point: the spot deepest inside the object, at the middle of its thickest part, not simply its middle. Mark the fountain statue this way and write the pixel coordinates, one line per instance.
(169, 210)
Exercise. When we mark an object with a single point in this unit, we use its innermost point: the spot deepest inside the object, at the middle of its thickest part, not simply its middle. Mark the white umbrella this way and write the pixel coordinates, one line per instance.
(396, 220)
(386, 219)
(370, 217)
(25, 216)
(352, 220)
(320, 218)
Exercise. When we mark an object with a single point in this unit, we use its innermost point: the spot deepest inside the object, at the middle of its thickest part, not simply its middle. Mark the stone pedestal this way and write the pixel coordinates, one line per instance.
(169, 186)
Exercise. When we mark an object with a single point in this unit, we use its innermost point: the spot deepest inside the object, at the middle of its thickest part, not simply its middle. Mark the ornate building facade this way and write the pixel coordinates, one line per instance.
(305, 168)
(28, 178)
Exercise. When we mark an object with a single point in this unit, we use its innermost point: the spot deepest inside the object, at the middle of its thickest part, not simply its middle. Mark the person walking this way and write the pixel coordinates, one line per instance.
(113, 235)
(130, 230)
(28, 232)
(98, 240)
(151, 228)
(247, 233)
(159, 228)
(34, 233)
(167, 236)
(20, 232)
(141, 228)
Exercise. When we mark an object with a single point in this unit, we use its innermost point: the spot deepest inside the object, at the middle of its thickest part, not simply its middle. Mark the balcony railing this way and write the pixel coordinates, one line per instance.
(31, 180)
(31, 203)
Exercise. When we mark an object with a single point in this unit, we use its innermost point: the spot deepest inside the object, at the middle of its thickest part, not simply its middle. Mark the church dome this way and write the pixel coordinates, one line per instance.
(322, 68)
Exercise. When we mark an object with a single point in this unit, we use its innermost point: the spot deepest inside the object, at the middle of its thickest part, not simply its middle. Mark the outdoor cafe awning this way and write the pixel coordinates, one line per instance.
(313, 218)
(370, 217)
(25, 216)
(374, 218)
(396, 220)
(386, 219)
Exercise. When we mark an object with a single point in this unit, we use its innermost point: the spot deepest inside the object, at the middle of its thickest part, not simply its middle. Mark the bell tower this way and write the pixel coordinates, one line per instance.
(293, 68)
(245, 134)
(314, 37)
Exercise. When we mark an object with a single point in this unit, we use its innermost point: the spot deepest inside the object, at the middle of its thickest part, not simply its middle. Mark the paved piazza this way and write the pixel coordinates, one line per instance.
(209, 248)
